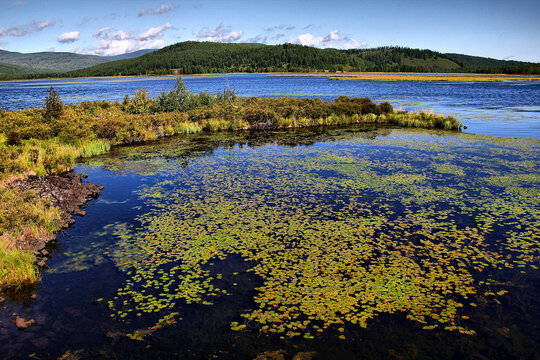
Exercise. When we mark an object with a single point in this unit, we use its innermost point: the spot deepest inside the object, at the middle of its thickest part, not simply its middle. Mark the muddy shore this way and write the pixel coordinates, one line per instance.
(68, 193)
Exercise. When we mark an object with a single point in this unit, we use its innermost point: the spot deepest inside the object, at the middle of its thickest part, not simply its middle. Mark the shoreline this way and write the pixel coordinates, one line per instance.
(285, 74)
(68, 193)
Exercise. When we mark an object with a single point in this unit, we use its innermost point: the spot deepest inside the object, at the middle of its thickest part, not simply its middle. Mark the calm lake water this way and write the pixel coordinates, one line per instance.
(349, 243)
(343, 243)
(508, 108)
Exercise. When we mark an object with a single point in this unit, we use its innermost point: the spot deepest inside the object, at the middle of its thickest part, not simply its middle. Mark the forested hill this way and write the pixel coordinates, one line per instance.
(50, 61)
(206, 57)
(14, 70)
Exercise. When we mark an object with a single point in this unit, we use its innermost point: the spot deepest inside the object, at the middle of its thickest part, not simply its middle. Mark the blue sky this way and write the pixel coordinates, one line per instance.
(499, 29)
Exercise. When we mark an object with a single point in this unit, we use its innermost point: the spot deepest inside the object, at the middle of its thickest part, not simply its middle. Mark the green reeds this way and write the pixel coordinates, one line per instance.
(22, 216)
(94, 147)
(17, 269)
(187, 128)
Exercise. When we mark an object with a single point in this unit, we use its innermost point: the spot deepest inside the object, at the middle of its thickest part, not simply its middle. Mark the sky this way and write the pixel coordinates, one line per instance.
(507, 30)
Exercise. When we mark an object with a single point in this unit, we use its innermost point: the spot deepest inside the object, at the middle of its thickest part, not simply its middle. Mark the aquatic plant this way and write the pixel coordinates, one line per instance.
(336, 236)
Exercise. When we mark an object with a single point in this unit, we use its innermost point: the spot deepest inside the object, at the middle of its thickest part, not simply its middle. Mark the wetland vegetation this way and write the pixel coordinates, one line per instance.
(339, 233)
(50, 140)
(310, 240)
(419, 77)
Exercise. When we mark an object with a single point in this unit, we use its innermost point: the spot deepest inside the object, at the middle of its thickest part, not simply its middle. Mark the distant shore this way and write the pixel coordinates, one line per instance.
(369, 76)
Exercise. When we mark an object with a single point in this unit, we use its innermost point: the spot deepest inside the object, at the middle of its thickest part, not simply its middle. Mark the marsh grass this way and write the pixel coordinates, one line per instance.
(22, 216)
(187, 128)
(17, 269)
(440, 77)
(414, 77)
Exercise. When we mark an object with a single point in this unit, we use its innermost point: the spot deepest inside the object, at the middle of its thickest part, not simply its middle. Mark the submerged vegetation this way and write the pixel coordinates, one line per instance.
(50, 140)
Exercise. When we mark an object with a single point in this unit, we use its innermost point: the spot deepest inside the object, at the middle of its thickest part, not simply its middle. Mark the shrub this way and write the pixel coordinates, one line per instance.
(53, 105)
(386, 107)
(140, 104)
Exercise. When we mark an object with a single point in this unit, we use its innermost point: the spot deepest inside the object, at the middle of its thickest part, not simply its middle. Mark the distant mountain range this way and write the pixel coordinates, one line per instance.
(51, 62)
(206, 57)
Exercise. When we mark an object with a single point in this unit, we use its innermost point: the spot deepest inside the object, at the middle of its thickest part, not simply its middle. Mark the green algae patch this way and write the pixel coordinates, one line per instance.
(354, 226)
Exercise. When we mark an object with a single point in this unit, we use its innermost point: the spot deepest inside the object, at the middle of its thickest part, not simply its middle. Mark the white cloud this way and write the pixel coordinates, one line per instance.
(279, 27)
(68, 37)
(102, 31)
(119, 47)
(219, 34)
(334, 39)
(333, 36)
(155, 32)
(260, 39)
(26, 29)
(354, 44)
(307, 39)
(162, 9)
(40, 25)
(116, 42)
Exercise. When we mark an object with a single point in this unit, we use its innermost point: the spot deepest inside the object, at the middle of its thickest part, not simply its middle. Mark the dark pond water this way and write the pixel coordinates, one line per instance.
(349, 243)
(508, 108)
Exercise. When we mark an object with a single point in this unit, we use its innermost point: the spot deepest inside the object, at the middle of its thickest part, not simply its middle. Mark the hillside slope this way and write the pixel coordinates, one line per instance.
(10, 69)
(50, 61)
(205, 57)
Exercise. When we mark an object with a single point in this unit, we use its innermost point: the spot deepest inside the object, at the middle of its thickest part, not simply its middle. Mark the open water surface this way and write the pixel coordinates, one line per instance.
(345, 243)
(507, 108)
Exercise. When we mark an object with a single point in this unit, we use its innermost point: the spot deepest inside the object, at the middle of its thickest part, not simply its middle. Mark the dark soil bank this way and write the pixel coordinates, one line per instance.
(67, 192)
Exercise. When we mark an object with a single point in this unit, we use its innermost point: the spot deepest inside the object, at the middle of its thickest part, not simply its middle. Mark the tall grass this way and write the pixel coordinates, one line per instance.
(22, 216)
(17, 269)
(94, 147)
(187, 128)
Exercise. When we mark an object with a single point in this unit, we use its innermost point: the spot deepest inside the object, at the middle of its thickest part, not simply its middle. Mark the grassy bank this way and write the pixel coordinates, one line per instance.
(50, 140)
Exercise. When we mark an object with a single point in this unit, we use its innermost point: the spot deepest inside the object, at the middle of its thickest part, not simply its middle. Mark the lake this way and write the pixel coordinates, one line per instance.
(344, 243)
(329, 243)
(507, 108)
